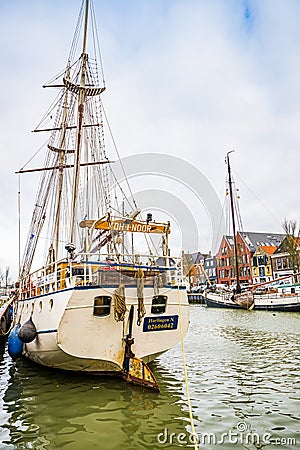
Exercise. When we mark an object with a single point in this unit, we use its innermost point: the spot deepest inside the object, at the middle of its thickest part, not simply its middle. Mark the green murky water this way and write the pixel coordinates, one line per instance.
(244, 385)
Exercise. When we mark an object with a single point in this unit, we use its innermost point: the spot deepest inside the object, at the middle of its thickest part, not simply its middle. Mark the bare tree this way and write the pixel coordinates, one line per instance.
(5, 280)
(188, 267)
(292, 244)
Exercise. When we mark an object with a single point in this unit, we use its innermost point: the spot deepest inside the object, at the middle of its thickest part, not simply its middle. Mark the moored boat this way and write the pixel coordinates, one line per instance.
(284, 298)
(98, 302)
(226, 298)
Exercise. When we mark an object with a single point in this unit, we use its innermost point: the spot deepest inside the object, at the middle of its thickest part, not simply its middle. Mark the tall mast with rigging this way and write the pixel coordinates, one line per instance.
(62, 152)
(230, 182)
(81, 100)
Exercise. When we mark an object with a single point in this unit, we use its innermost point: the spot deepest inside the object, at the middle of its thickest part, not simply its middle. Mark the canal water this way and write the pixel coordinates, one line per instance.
(243, 370)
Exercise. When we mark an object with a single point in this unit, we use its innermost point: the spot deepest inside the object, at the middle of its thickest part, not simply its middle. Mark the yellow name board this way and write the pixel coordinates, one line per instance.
(132, 226)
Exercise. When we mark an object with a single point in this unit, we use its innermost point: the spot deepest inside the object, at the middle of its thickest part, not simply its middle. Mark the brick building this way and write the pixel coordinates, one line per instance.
(247, 244)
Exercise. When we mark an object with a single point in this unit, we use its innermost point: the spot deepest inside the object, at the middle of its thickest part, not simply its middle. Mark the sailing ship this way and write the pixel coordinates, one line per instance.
(107, 297)
(236, 298)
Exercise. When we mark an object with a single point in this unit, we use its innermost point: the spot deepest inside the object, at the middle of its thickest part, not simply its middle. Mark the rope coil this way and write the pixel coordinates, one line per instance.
(119, 303)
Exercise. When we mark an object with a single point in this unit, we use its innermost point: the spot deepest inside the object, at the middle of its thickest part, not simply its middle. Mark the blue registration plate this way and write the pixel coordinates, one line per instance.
(160, 323)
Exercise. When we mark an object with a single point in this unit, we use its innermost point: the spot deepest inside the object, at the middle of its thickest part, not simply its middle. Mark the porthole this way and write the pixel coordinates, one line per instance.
(102, 304)
(40, 306)
(159, 304)
(50, 304)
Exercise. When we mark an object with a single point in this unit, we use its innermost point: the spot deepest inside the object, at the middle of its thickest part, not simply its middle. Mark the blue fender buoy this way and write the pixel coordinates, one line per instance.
(15, 345)
(27, 333)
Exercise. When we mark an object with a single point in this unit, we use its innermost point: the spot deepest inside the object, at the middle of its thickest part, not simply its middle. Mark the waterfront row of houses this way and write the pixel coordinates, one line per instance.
(262, 257)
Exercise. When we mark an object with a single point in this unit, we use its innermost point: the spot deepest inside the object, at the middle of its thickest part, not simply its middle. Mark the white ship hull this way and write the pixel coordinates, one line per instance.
(277, 302)
(71, 337)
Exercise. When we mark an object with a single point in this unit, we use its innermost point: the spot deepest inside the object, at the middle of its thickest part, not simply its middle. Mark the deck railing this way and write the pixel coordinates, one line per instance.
(89, 269)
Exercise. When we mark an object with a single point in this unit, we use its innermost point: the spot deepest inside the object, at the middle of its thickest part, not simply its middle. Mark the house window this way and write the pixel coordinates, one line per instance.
(278, 263)
(102, 305)
(159, 304)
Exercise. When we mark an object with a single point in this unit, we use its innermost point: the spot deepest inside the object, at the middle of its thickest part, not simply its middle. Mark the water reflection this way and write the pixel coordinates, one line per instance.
(243, 368)
(2, 349)
(51, 409)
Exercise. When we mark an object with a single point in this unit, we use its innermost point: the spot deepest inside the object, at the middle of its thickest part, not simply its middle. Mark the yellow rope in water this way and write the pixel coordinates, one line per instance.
(186, 375)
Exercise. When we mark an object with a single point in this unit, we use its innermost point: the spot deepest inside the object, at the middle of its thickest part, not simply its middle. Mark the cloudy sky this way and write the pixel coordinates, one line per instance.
(188, 78)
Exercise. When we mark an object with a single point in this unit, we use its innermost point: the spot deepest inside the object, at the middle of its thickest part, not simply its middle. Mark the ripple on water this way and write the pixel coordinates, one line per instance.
(243, 368)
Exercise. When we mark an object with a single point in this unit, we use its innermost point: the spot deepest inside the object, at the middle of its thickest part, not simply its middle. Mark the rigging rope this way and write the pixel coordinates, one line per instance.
(33, 156)
(257, 198)
(148, 238)
(77, 32)
(118, 154)
(97, 40)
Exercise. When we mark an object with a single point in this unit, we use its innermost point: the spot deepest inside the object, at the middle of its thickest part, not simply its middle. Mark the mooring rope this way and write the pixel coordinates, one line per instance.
(140, 295)
(5, 333)
(186, 375)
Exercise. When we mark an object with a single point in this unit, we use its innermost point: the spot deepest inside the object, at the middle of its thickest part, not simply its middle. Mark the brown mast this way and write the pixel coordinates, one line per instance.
(238, 286)
(81, 100)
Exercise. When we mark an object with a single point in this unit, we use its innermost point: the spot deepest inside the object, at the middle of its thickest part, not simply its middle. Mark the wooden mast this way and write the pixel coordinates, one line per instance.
(81, 100)
(238, 286)
(62, 153)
